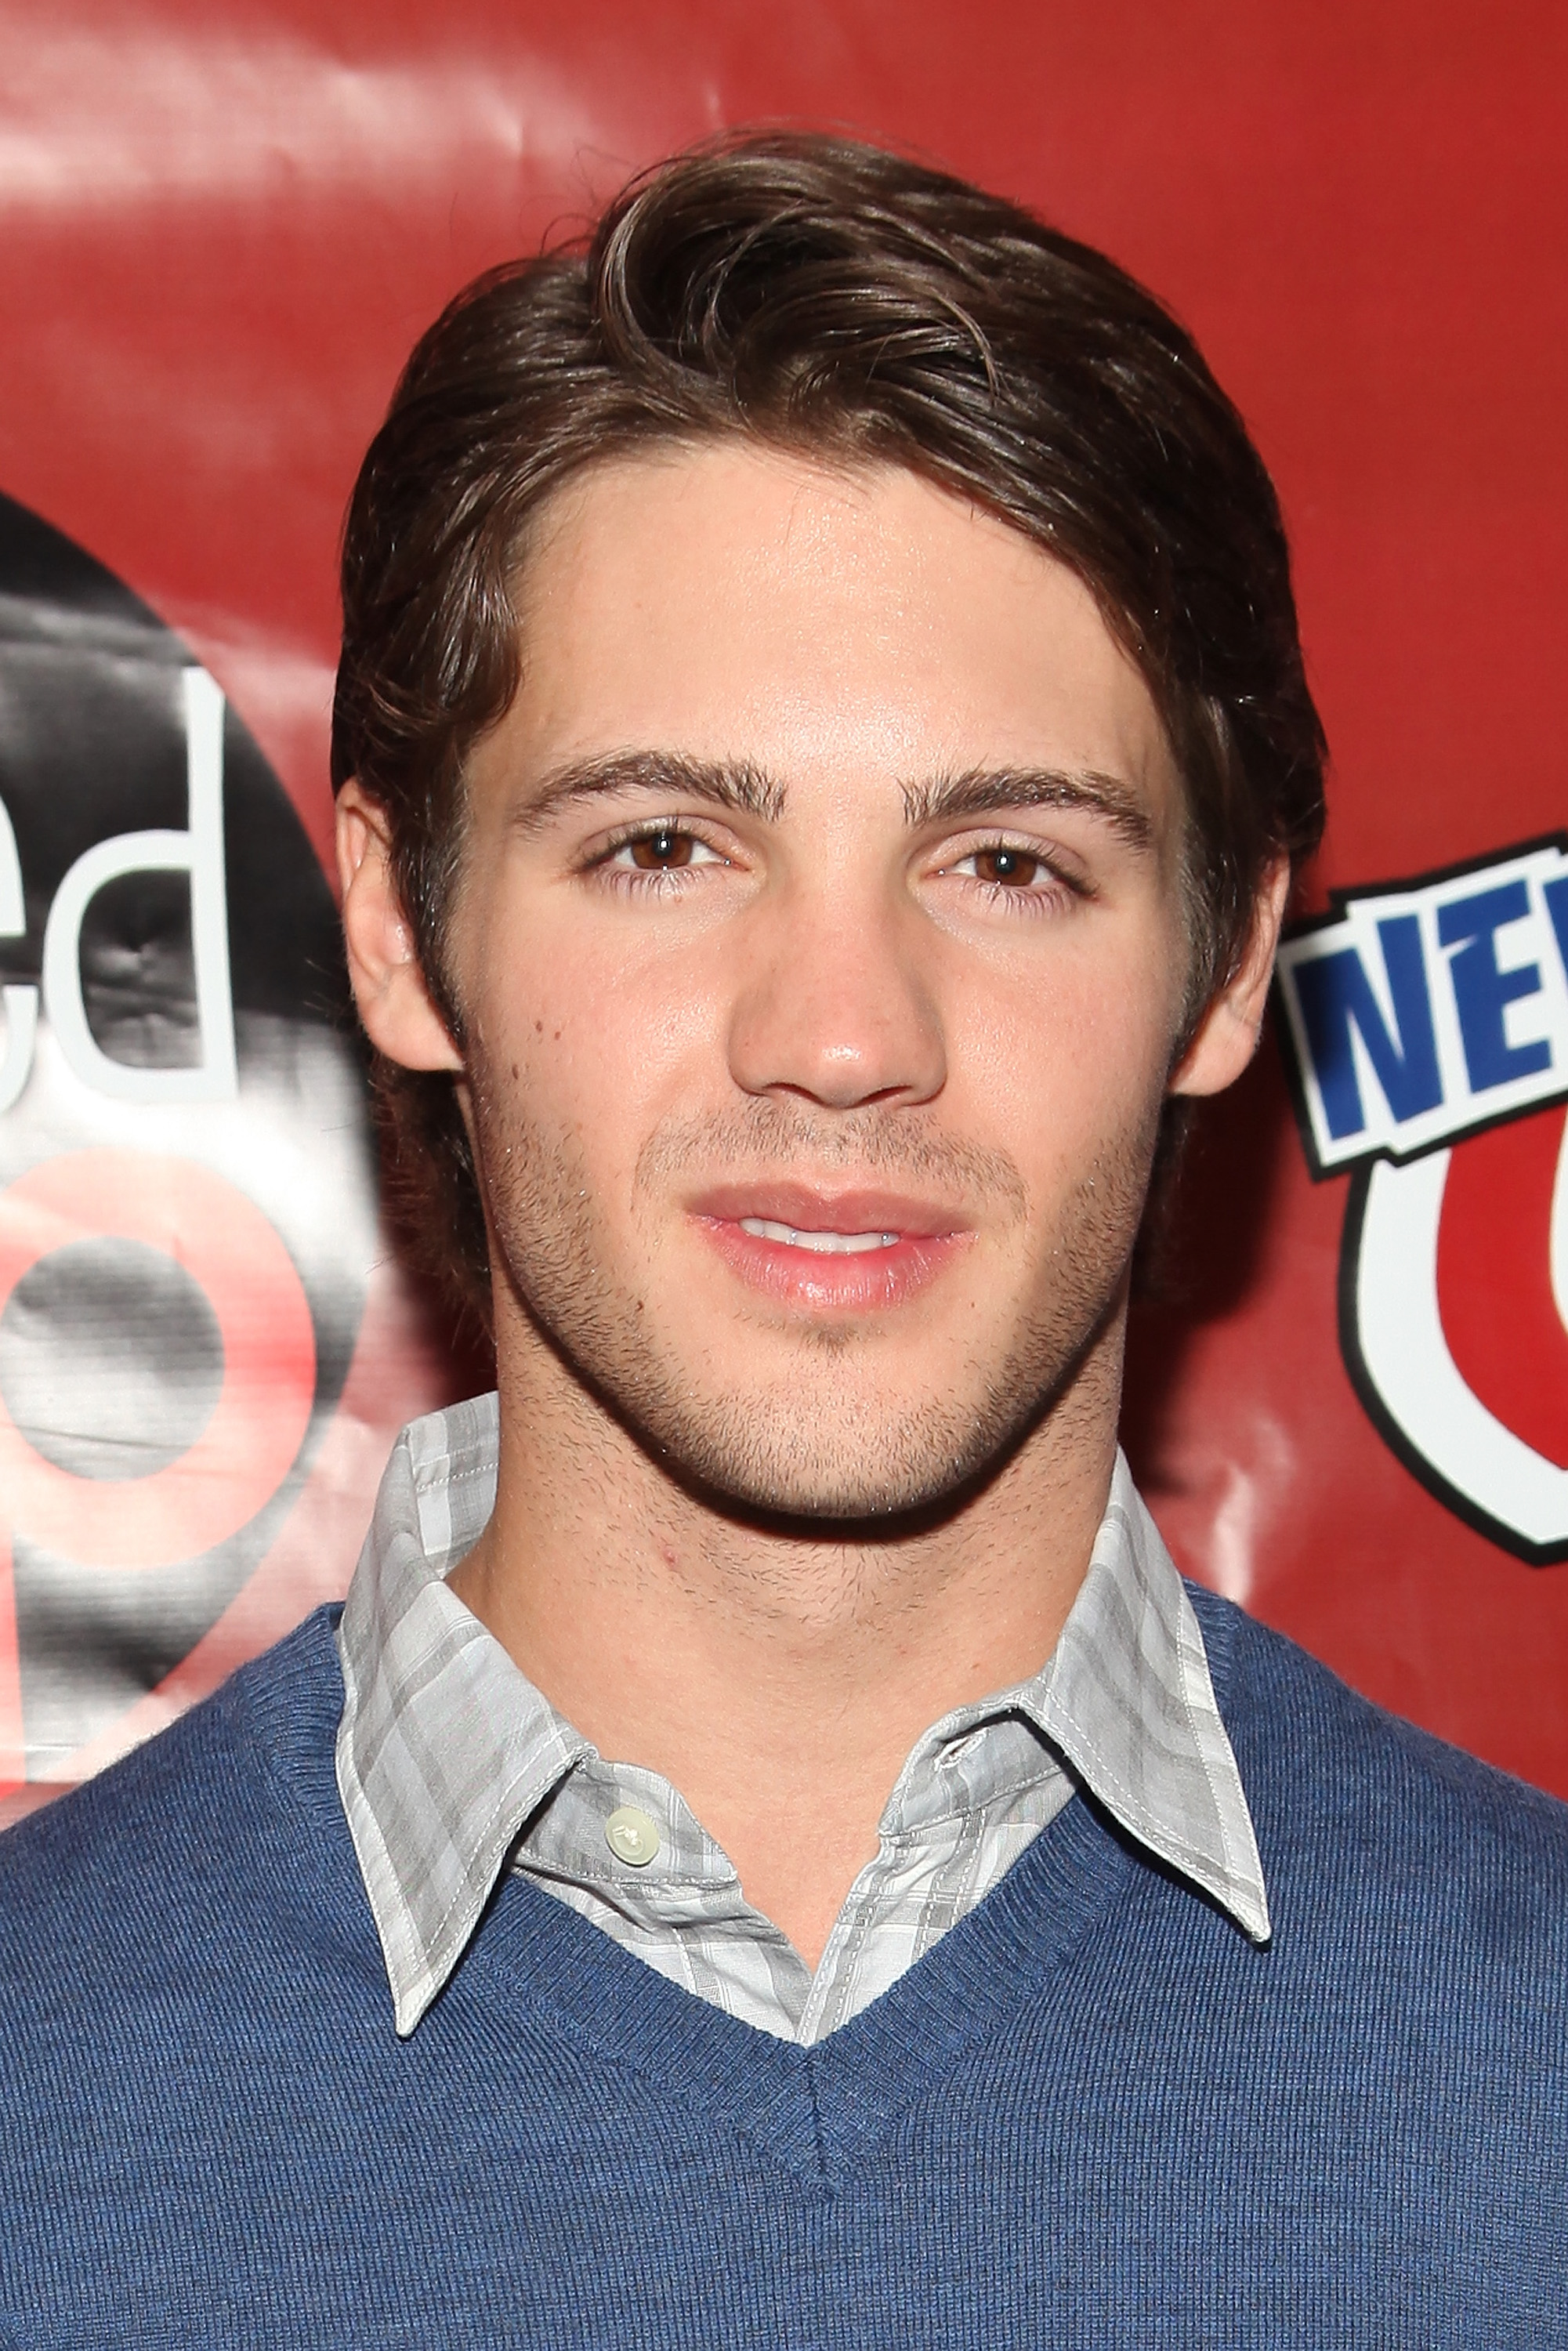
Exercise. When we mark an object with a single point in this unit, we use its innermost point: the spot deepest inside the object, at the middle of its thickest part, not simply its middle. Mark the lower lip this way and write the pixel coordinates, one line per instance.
(865, 1282)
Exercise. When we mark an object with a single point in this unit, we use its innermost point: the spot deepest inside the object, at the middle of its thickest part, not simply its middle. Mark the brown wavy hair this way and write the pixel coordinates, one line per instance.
(813, 294)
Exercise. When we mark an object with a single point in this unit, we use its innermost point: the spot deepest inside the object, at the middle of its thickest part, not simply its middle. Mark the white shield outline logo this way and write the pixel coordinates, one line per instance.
(1401, 1366)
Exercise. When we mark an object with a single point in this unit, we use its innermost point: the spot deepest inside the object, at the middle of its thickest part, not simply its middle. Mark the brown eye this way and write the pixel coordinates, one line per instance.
(1006, 867)
(658, 852)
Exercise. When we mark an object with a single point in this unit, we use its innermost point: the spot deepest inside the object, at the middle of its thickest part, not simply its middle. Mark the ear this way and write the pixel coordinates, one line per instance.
(1227, 1036)
(384, 970)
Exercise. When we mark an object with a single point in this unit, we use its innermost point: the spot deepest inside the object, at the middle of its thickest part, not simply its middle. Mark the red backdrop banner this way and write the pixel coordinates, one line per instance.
(224, 226)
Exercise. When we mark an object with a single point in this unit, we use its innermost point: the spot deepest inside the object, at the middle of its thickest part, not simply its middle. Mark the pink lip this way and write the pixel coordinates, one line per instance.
(926, 1239)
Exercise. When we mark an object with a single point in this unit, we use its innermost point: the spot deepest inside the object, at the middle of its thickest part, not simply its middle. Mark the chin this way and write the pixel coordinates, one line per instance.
(763, 1458)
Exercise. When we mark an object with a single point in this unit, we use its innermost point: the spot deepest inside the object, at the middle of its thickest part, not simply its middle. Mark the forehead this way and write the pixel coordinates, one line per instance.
(731, 599)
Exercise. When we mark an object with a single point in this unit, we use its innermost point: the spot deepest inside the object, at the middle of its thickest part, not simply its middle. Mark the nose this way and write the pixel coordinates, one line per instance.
(834, 1008)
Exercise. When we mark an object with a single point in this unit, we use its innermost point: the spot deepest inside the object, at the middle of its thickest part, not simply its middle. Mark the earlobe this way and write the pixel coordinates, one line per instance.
(388, 984)
(1227, 1036)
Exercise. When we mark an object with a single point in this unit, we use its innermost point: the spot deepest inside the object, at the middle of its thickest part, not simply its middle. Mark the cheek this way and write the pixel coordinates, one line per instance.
(599, 1046)
(1068, 1059)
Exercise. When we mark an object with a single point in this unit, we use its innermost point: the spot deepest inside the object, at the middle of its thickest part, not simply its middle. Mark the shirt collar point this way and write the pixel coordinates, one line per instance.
(1260, 1928)
(1248, 1907)
(411, 2003)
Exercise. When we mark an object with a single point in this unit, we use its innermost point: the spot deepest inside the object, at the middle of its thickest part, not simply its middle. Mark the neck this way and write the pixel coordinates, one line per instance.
(776, 1674)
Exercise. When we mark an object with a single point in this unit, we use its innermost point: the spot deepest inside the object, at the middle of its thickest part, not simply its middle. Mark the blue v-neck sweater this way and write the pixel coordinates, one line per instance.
(1095, 2115)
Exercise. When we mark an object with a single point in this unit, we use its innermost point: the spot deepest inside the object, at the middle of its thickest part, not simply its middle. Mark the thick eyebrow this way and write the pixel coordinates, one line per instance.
(989, 791)
(665, 776)
(738, 785)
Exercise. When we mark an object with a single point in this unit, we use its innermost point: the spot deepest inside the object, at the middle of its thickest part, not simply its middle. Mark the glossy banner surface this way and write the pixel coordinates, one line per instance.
(223, 227)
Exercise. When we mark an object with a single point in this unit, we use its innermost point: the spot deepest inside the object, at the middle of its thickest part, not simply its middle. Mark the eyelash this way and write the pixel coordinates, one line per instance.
(656, 878)
(1026, 899)
(1016, 898)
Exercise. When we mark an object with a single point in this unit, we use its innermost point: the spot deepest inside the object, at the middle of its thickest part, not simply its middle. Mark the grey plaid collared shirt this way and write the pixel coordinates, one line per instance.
(453, 1767)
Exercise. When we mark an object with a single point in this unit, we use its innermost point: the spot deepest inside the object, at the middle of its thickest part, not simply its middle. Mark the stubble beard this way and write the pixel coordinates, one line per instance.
(800, 1444)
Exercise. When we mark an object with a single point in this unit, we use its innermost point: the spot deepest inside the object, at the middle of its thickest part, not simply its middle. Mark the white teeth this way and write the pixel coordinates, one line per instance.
(763, 1229)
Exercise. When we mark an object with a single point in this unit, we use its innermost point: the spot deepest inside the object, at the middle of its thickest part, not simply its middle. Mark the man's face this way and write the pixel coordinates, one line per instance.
(819, 940)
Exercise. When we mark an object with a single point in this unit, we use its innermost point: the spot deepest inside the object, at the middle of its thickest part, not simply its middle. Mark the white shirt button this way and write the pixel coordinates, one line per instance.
(632, 1836)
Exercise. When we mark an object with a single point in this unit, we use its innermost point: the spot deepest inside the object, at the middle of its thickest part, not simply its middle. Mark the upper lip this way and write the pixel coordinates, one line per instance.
(806, 1209)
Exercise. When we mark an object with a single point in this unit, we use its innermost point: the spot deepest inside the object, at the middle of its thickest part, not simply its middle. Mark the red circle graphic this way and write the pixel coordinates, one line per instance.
(258, 1424)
